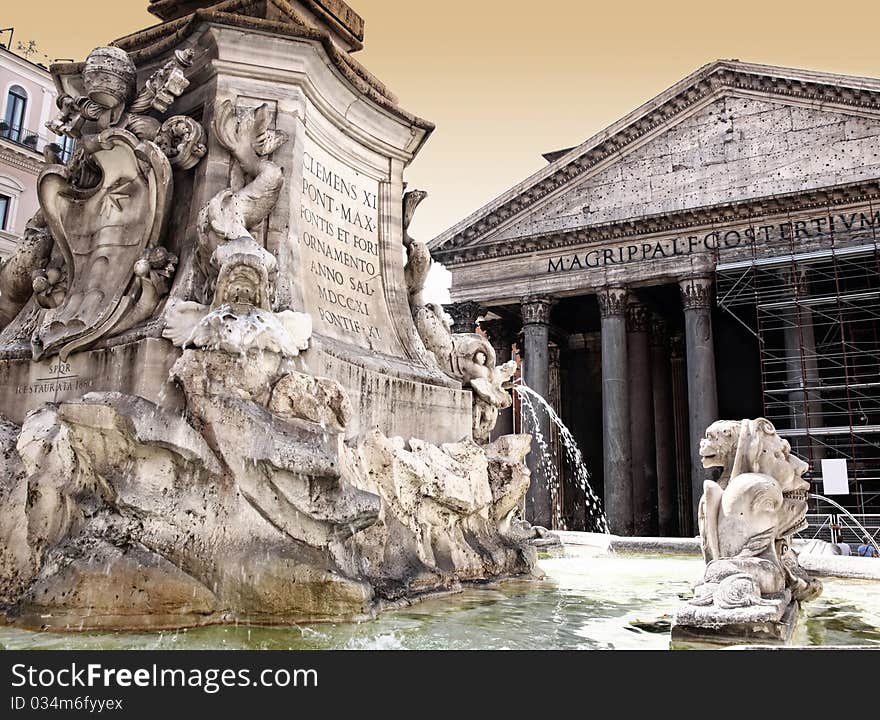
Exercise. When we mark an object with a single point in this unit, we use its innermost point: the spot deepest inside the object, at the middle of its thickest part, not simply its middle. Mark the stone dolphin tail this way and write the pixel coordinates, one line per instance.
(411, 201)
(233, 214)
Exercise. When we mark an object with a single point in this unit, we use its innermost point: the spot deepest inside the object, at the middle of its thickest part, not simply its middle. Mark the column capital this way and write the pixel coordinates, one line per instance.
(464, 315)
(696, 292)
(536, 309)
(553, 354)
(638, 317)
(612, 301)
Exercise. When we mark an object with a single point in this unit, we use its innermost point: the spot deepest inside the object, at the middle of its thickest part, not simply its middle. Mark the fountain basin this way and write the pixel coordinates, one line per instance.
(589, 599)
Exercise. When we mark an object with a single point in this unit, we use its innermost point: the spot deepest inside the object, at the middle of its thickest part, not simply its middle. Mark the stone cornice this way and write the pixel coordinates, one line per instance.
(670, 222)
(22, 159)
(151, 43)
(815, 89)
(335, 11)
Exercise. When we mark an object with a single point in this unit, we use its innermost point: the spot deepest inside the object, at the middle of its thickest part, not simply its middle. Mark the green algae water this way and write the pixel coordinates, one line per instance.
(585, 602)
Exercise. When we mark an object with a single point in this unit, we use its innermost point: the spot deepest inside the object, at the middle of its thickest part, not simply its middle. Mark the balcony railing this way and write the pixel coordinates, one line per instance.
(33, 140)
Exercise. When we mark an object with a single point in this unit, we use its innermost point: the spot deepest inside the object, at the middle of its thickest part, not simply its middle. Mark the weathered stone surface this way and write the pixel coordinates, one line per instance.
(746, 522)
(772, 624)
(466, 356)
(212, 446)
(317, 400)
(730, 149)
(16, 557)
(446, 512)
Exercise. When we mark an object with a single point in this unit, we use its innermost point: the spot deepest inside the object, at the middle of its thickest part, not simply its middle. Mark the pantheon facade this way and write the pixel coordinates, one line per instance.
(713, 254)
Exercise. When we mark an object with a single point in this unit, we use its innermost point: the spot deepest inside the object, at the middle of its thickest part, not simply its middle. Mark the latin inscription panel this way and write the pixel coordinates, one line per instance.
(340, 253)
(729, 242)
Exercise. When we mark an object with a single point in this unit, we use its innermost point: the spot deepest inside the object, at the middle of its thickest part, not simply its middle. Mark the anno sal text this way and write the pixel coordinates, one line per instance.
(805, 232)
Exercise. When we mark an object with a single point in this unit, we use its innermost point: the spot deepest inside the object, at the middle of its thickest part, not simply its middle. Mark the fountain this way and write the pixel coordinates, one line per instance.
(227, 402)
(225, 398)
(596, 519)
(868, 538)
(753, 584)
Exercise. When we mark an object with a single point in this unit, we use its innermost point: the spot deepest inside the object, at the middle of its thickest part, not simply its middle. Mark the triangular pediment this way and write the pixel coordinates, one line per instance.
(728, 133)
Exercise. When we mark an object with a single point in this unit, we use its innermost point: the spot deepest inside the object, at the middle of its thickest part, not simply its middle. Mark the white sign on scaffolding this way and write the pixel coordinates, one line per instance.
(834, 477)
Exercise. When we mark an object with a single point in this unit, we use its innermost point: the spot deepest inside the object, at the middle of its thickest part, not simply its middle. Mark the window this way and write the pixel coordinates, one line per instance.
(66, 144)
(5, 207)
(16, 106)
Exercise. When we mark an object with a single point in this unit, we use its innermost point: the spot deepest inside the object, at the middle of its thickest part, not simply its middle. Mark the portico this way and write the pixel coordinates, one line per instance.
(634, 254)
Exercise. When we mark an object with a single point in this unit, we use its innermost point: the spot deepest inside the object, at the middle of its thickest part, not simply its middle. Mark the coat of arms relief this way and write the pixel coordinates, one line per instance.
(104, 268)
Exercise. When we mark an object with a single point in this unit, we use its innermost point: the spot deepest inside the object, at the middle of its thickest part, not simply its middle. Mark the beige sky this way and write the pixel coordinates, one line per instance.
(504, 81)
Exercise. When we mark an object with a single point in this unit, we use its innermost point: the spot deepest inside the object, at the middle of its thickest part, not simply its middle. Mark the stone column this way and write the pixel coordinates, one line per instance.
(664, 429)
(617, 448)
(681, 424)
(641, 420)
(536, 375)
(696, 295)
(501, 334)
(801, 367)
(464, 315)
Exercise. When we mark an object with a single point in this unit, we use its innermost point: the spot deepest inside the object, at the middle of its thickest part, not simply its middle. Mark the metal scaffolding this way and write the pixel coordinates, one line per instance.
(814, 310)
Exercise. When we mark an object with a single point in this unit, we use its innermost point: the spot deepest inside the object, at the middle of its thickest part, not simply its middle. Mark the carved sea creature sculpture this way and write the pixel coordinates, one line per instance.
(239, 317)
(233, 214)
(746, 521)
(754, 446)
(418, 262)
(468, 357)
(473, 361)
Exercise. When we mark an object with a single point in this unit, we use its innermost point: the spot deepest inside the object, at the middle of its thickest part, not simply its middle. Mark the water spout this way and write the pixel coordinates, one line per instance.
(595, 515)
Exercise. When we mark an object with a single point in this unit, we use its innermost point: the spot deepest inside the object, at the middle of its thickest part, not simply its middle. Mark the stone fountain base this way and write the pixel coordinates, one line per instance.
(764, 625)
(116, 514)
